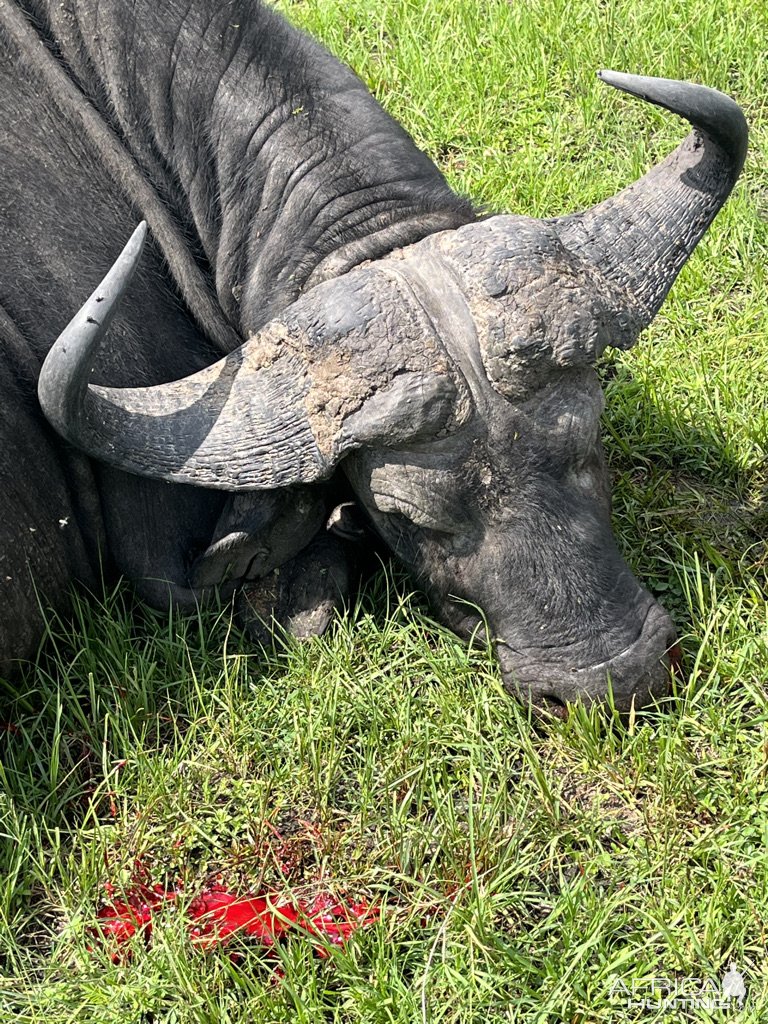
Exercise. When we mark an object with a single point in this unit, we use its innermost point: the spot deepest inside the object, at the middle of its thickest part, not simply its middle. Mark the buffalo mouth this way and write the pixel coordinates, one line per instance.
(635, 676)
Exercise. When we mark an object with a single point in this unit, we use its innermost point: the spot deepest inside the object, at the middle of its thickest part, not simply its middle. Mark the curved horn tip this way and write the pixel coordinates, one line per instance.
(133, 248)
(118, 277)
(64, 374)
(139, 235)
(710, 111)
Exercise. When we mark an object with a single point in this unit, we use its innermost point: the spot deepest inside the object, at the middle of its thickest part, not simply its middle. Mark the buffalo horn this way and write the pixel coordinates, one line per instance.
(327, 377)
(640, 238)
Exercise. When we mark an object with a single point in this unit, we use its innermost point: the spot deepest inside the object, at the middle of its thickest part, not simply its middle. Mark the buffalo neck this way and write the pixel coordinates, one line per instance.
(276, 165)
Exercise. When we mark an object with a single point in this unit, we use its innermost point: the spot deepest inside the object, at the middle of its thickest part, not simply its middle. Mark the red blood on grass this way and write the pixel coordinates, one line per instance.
(336, 921)
(217, 914)
(121, 919)
(220, 914)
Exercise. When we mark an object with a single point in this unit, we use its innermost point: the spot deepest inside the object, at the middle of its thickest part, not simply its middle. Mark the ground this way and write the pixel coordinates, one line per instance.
(542, 873)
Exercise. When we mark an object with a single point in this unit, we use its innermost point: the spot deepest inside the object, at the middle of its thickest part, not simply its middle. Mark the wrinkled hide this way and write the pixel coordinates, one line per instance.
(183, 114)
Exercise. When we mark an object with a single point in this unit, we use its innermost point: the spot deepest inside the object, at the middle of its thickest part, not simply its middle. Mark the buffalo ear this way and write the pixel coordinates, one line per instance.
(257, 532)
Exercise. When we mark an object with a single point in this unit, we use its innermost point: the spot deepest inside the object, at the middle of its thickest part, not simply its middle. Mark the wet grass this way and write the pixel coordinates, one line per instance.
(521, 870)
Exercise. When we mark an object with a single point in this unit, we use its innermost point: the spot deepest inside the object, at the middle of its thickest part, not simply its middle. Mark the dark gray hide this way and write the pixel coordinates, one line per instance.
(450, 380)
(259, 162)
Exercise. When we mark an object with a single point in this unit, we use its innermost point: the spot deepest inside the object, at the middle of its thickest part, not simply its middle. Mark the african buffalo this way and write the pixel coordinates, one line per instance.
(317, 316)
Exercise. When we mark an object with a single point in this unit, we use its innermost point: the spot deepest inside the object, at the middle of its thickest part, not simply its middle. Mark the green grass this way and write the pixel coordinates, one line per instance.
(521, 869)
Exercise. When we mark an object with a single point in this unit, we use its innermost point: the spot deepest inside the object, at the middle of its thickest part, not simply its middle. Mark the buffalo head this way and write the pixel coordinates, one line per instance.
(453, 382)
